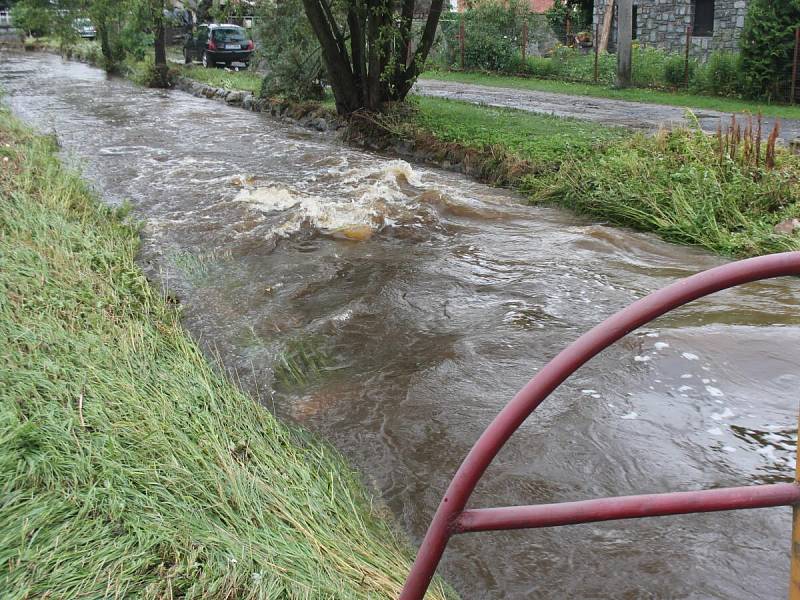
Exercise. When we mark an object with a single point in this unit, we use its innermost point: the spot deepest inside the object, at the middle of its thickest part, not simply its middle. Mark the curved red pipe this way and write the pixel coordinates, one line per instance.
(554, 374)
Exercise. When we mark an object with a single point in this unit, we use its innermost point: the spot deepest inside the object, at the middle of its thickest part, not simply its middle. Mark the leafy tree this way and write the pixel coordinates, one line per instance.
(148, 15)
(368, 48)
(768, 47)
(493, 35)
(573, 11)
(34, 17)
(292, 52)
(105, 14)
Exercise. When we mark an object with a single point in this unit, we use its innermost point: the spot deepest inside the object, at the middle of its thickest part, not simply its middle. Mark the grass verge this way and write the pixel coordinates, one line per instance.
(681, 99)
(128, 467)
(542, 140)
(230, 80)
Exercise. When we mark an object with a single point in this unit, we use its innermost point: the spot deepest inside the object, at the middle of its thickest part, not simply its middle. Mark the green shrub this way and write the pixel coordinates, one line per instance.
(768, 46)
(541, 67)
(675, 71)
(492, 38)
(721, 74)
(485, 52)
(34, 17)
(648, 67)
(292, 53)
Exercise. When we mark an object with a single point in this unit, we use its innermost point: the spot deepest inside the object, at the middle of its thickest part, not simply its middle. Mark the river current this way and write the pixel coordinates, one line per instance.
(394, 309)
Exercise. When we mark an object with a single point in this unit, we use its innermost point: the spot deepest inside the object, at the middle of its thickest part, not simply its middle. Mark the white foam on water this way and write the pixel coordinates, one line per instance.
(661, 345)
(714, 431)
(725, 414)
(630, 416)
(690, 356)
(269, 199)
(715, 392)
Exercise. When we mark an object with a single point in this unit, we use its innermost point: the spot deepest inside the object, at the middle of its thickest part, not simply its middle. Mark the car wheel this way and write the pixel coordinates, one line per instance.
(207, 62)
(187, 58)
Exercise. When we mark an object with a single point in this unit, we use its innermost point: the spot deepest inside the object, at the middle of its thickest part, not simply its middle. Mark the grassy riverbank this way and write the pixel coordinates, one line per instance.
(685, 186)
(128, 467)
(652, 96)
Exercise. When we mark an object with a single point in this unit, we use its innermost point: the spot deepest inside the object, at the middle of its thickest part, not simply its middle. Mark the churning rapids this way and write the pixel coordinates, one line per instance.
(423, 302)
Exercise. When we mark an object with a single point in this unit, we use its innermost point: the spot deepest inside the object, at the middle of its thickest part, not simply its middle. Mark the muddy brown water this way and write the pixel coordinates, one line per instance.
(428, 300)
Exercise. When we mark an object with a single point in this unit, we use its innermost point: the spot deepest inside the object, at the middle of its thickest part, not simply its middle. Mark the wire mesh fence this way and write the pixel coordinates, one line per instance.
(513, 43)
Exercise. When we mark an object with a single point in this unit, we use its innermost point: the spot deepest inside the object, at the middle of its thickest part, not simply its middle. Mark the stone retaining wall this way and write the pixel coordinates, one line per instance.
(306, 115)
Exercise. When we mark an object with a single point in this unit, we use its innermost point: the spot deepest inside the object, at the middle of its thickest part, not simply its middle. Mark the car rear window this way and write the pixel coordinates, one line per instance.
(229, 35)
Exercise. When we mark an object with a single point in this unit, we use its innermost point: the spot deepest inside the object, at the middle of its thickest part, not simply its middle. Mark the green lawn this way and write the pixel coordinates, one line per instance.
(632, 94)
(230, 80)
(129, 467)
(541, 139)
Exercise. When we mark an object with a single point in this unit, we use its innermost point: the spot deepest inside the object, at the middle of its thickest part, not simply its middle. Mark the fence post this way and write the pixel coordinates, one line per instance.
(794, 65)
(596, 43)
(794, 571)
(686, 58)
(624, 42)
(461, 33)
(568, 31)
(525, 39)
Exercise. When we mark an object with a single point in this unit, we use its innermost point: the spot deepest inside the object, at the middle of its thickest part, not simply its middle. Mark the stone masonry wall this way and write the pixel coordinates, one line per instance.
(662, 24)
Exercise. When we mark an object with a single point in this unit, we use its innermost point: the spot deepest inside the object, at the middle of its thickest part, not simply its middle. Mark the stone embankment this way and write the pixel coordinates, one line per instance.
(308, 115)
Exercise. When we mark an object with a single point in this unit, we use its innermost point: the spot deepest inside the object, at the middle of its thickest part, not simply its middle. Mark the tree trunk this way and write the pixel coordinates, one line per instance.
(421, 55)
(624, 42)
(345, 91)
(159, 31)
(379, 66)
(105, 45)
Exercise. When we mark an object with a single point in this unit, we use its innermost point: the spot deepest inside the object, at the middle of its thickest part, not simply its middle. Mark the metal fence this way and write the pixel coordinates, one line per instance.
(452, 517)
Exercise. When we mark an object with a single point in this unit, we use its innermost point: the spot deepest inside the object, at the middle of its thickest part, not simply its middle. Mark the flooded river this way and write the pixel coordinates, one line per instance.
(394, 309)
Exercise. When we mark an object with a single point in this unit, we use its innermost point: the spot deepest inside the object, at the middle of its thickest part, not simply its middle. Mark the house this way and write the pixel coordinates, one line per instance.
(715, 24)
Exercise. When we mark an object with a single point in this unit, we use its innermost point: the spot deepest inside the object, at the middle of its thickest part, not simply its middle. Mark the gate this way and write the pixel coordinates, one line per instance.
(453, 518)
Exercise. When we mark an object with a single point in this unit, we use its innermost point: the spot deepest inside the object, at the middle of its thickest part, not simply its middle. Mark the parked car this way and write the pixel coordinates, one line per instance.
(219, 44)
(85, 28)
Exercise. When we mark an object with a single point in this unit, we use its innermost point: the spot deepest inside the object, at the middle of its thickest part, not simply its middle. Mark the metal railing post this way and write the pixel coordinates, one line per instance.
(451, 517)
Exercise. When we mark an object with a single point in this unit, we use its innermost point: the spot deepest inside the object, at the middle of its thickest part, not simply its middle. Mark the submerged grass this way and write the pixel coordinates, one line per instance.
(128, 466)
(301, 360)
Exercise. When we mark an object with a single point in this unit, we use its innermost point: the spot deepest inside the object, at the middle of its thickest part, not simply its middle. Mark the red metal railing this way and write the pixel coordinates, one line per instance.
(451, 517)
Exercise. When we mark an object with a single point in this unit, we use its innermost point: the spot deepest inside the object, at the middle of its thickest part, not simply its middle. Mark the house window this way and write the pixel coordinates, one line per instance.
(703, 24)
(635, 26)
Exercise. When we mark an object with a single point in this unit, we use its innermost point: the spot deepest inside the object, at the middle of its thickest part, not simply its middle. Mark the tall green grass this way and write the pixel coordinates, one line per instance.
(681, 186)
(128, 467)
